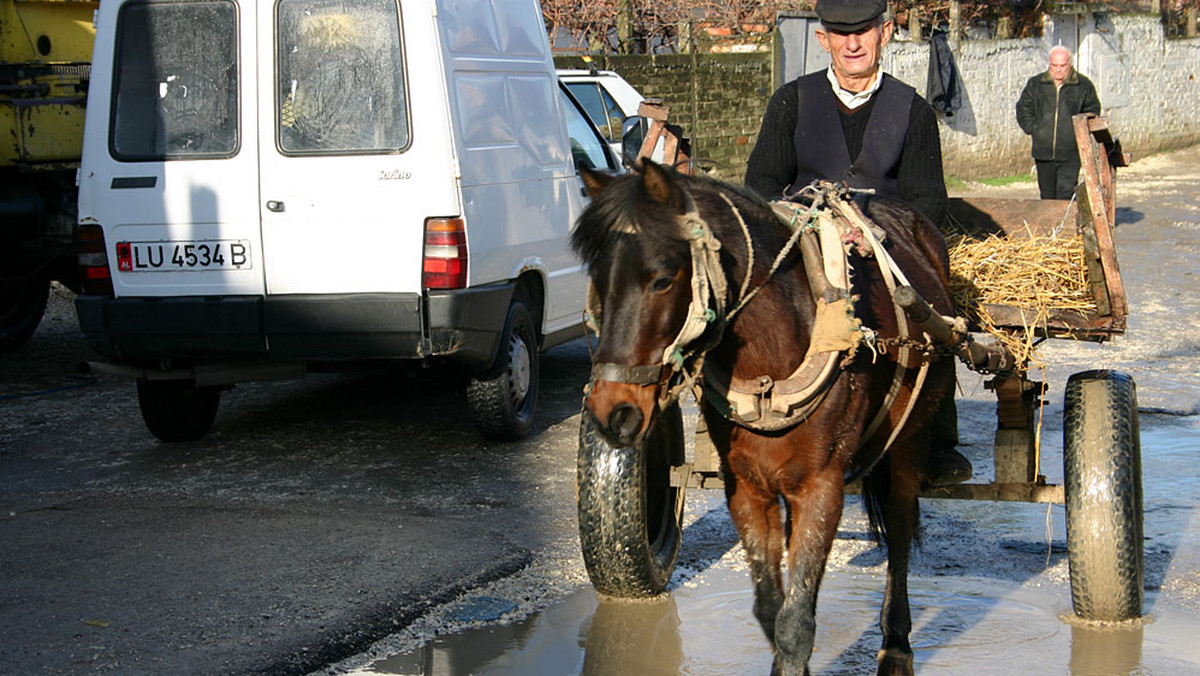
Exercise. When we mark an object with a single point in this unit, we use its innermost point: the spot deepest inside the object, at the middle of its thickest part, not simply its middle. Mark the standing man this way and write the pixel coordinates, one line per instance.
(1044, 112)
(853, 123)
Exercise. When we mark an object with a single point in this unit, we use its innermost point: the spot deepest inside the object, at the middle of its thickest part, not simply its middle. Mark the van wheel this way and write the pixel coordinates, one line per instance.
(177, 410)
(503, 400)
(22, 303)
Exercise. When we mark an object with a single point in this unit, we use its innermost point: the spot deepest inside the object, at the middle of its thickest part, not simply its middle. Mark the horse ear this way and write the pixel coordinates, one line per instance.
(595, 182)
(660, 185)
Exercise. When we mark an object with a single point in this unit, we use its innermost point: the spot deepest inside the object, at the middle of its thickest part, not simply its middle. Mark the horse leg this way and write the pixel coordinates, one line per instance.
(756, 515)
(900, 518)
(815, 511)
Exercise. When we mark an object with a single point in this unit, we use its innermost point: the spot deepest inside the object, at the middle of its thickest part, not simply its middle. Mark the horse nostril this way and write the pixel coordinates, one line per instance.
(625, 421)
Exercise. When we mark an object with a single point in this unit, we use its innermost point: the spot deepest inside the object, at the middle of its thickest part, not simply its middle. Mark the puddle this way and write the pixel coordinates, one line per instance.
(709, 630)
(999, 604)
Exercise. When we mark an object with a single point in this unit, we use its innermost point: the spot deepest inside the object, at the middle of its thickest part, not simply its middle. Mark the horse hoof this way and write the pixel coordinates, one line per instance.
(894, 663)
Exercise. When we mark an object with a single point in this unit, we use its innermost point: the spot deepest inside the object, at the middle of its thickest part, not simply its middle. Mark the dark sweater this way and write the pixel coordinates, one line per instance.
(772, 165)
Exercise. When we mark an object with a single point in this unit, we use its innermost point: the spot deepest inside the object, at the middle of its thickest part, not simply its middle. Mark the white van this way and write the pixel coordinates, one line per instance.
(269, 187)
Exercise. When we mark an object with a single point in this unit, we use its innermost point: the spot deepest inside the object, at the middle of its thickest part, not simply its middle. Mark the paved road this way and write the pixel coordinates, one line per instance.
(318, 516)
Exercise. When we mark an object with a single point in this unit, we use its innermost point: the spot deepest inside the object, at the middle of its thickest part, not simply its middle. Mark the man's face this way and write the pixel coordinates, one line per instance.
(1060, 66)
(855, 55)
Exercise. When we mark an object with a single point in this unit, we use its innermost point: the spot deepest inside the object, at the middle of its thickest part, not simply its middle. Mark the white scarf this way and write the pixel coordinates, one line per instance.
(853, 100)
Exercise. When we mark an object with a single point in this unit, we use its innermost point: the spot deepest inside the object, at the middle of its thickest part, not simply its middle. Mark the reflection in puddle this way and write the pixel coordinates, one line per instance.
(1099, 651)
(959, 623)
(963, 622)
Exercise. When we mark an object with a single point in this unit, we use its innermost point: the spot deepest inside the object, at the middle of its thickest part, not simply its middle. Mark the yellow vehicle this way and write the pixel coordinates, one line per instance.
(45, 63)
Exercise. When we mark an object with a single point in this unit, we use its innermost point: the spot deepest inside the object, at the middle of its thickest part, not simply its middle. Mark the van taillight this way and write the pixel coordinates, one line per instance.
(445, 262)
(94, 275)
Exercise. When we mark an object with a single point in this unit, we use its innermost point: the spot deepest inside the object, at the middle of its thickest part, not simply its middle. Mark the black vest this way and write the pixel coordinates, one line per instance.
(821, 151)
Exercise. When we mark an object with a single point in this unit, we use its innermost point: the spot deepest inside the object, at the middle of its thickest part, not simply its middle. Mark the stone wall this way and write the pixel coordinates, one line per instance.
(1151, 85)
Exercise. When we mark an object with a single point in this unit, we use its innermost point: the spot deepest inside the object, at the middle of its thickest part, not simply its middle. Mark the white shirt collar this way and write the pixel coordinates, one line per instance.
(853, 100)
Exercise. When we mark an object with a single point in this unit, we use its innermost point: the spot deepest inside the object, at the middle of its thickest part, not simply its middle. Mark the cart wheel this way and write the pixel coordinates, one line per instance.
(22, 303)
(503, 400)
(177, 410)
(629, 513)
(1103, 490)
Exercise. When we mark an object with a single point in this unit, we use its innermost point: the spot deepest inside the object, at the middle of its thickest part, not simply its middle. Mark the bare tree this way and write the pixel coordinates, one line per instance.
(641, 26)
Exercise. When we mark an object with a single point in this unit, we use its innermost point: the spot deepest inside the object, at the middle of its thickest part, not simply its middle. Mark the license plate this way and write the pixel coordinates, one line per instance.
(211, 254)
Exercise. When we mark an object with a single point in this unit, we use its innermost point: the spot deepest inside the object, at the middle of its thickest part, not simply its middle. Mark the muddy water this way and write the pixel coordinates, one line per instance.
(1010, 616)
(990, 585)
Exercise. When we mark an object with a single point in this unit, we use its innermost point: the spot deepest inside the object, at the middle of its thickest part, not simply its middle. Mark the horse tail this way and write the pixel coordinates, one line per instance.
(876, 489)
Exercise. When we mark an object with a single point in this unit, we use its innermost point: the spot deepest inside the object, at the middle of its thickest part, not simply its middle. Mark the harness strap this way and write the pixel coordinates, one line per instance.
(891, 274)
(620, 373)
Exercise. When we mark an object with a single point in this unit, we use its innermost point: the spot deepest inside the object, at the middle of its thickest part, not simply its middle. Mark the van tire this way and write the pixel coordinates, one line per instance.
(503, 400)
(22, 303)
(177, 410)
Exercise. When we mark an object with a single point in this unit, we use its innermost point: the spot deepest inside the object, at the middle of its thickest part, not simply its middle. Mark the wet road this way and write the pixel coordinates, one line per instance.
(358, 516)
(990, 586)
(316, 517)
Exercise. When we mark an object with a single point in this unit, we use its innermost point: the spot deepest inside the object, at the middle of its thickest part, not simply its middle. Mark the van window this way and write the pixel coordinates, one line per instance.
(175, 81)
(587, 149)
(600, 107)
(340, 76)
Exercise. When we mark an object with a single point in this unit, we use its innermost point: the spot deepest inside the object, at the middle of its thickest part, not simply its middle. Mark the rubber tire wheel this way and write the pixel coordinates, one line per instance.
(177, 410)
(630, 517)
(1103, 494)
(503, 400)
(22, 304)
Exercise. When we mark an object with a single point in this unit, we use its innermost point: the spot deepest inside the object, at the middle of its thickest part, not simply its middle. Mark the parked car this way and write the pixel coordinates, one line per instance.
(305, 184)
(606, 96)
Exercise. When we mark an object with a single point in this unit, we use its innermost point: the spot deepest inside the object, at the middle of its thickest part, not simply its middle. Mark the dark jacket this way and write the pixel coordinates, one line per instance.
(1044, 112)
(773, 165)
(943, 86)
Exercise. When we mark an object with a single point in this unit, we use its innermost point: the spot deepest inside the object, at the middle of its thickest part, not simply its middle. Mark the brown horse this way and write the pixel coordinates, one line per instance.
(698, 283)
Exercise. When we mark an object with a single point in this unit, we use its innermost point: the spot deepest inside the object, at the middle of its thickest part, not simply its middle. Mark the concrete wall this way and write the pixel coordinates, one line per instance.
(1149, 87)
(1147, 84)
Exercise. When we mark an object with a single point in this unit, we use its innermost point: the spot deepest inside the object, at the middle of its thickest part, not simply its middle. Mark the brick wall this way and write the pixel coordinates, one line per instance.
(719, 99)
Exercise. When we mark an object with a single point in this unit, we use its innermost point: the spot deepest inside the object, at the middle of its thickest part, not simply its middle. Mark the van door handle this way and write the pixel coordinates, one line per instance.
(274, 205)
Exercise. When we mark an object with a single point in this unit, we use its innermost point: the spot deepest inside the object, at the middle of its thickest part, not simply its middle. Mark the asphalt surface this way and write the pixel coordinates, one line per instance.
(317, 517)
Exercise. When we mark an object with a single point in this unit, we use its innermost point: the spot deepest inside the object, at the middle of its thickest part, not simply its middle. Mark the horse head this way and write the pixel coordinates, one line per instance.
(639, 238)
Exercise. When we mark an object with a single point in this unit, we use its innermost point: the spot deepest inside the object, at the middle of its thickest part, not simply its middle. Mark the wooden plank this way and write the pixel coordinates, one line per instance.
(980, 217)
(1090, 154)
(1057, 323)
(1018, 492)
(1091, 257)
(998, 492)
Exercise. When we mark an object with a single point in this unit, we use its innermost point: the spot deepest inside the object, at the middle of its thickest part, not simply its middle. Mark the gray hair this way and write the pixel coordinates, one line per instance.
(1060, 49)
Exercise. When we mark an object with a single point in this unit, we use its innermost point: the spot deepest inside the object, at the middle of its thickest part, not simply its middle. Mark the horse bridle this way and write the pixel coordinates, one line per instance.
(684, 357)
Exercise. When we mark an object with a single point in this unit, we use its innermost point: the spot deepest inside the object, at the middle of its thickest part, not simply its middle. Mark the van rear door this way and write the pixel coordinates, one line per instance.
(176, 188)
(347, 180)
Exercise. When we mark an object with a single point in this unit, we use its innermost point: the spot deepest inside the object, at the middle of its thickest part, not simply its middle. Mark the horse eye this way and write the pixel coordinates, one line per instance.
(662, 283)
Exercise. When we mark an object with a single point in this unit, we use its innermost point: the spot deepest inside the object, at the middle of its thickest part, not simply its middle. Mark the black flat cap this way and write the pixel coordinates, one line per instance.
(849, 16)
